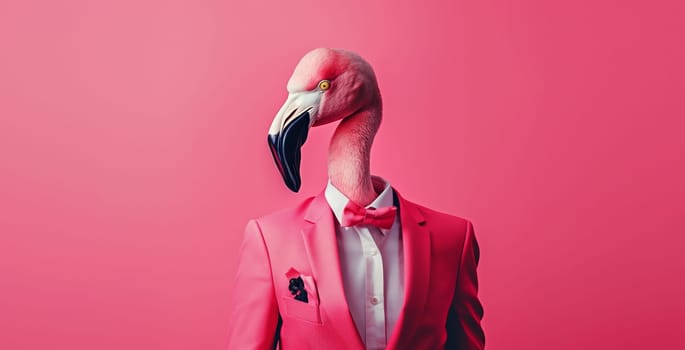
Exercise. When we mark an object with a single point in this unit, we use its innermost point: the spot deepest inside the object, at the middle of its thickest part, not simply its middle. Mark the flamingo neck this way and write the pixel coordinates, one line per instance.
(349, 155)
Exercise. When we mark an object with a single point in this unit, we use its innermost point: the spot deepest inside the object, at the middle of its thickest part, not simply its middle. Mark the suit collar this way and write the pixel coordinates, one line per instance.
(411, 210)
(417, 259)
(317, 208)
(318, 234)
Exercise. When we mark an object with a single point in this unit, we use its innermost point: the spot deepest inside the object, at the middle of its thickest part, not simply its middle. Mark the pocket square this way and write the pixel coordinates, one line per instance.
(297, 289)
(301, 286)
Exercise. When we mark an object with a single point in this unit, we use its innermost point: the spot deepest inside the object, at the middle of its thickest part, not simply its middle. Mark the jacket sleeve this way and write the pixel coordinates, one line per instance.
(254, 319)
(464, 331)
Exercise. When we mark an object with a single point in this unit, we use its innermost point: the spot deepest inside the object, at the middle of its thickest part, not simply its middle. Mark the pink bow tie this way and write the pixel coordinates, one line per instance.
(353, 215)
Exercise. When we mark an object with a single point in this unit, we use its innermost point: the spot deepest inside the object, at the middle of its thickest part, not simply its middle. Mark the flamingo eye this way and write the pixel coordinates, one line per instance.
(324, 85)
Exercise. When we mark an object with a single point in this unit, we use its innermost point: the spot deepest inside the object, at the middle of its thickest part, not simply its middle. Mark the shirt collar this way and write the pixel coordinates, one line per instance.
(337, 200)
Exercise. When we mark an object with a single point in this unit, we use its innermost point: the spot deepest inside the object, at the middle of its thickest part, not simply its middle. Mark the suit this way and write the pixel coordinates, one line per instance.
(441, 308)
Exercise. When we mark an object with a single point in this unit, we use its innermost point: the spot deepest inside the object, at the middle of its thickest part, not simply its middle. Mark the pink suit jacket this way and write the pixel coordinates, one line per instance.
(441, 307)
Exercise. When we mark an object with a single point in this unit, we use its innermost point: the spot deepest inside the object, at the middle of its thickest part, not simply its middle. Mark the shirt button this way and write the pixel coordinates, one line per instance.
(373, 252)
(374, 301)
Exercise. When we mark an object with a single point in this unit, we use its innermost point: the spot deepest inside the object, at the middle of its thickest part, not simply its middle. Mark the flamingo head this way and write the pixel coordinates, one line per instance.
(327, 85)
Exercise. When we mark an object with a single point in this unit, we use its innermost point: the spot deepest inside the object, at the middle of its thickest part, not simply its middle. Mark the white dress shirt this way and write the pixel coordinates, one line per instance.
(372, 267)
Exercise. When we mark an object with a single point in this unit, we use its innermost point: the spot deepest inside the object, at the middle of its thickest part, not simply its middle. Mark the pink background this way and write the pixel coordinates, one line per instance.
(133, 151)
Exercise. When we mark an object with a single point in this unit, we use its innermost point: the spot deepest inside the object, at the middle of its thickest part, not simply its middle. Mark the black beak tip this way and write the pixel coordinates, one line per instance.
(294, 185)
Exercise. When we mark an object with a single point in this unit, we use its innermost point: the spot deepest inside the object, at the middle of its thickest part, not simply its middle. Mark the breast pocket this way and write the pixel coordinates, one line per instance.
(299, 310)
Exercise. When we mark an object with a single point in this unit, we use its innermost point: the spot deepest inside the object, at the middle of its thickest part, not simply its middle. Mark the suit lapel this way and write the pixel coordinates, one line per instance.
(416, 246)
(322, 249)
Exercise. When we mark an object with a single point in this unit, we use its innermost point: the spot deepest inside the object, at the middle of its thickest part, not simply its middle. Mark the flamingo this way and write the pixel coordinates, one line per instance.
(328, 85)
(438, 250)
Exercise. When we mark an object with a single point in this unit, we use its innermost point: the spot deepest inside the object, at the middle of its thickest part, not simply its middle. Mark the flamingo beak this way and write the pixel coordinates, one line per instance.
(289, 132)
